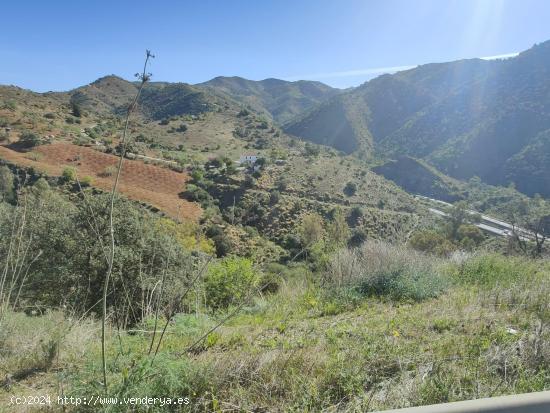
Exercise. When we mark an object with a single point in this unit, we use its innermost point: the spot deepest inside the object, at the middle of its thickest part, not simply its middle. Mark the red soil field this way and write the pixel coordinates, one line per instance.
(156, 186)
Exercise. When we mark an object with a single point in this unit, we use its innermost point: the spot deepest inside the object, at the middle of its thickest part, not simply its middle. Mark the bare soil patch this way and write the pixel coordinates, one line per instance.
(156, 186)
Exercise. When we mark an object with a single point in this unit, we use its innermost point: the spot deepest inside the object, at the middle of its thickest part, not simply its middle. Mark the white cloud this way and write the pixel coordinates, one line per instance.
(500, 56)
(377, 70)
(349, 73)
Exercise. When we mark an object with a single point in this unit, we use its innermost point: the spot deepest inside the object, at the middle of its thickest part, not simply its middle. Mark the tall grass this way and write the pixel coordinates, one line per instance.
(382, 269)
(492, 269)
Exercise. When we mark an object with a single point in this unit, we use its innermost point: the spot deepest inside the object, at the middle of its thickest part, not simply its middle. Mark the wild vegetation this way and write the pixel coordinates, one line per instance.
(335, 324)
(303, 281)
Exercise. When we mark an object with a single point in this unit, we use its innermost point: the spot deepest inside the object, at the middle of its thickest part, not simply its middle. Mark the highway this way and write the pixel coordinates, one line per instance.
(488, 224)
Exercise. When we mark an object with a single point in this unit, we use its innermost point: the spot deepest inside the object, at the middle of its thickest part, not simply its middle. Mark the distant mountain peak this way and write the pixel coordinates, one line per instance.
(279, 99)
(109, 78)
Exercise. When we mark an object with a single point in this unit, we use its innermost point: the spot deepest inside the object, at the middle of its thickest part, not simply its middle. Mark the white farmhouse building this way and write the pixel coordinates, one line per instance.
(248, 158)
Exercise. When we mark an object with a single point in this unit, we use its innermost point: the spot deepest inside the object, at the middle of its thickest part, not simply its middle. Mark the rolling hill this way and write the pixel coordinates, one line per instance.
(159, 100)
(466, 118)
(189, 126)
(278, 99)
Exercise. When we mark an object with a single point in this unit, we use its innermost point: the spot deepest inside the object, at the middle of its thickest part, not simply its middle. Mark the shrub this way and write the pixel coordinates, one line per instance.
(355, 216)
(76, 110)
(249, 181)
(270, 282)
(87, 181)
(213, 231)
(311, 150)
(282, 183)
(470, 232)
(311, 229)
(222, 244)
(69, 174)
(431, 242)
(81, 140)
(197, 176)
(29, 139)
(41, 186)
(34, 156)
(381, 269)
(187, 233)
(197, 194)
(6, 184)
(274, 197)
(293, 244)
(358, 237)
(337, 229)
(350, 189)
(109, 171)
(229, 282)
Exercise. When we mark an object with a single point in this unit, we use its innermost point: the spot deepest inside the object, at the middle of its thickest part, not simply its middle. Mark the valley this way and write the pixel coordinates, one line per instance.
(276, 245)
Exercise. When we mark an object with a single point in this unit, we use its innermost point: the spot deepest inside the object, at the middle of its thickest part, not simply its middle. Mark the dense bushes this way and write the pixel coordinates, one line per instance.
(350, 189)
(65, 253)
(229, 282)
(431, 241)
(377, 268)
(29, 140)
(449, 238)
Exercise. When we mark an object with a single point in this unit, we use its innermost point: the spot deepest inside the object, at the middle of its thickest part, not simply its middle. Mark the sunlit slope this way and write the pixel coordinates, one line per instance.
(468, 118)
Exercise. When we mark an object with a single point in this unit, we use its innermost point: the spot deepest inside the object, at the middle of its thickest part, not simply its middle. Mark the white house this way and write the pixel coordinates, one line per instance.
(248, 158)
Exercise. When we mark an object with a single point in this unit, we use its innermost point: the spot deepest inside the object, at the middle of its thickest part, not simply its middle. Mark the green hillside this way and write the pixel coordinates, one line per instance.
(278, 99)
(468, 118)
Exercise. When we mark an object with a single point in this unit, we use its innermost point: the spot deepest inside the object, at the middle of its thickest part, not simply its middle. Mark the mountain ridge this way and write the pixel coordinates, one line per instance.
(278, 99)
(467, 118)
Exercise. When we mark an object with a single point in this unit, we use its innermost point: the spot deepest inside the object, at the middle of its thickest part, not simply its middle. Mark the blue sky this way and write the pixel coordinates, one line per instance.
(58, 45)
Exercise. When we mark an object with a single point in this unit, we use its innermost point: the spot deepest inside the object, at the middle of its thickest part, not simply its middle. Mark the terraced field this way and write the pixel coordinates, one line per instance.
(159, 187)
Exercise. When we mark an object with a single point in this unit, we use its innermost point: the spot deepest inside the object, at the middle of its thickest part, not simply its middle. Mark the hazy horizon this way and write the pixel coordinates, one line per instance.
(369, 74)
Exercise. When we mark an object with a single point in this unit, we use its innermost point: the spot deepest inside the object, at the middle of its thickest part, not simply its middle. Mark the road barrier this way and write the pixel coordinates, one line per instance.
(520, 403)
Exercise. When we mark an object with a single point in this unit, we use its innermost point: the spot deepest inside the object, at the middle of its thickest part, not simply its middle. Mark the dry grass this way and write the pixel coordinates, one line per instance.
(284, 353)
(383, 269)
(36, 349)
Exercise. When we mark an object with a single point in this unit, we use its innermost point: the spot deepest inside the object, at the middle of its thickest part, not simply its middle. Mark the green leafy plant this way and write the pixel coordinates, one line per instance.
(69, 174)
(229, 282)
(29, 139)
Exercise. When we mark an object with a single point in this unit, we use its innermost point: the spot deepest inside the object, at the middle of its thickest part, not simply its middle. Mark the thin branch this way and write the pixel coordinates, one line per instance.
(173, 312)
(144, 78)
(159, 298)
